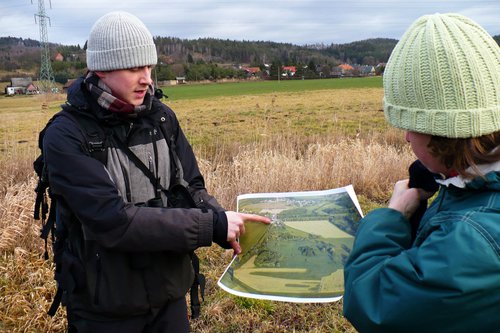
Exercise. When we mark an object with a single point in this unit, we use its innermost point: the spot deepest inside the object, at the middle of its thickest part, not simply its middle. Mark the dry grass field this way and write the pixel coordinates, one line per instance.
(282, 142)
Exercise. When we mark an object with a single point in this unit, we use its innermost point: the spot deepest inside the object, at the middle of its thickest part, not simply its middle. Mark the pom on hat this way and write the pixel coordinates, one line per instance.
(119, 40)
(443, 79)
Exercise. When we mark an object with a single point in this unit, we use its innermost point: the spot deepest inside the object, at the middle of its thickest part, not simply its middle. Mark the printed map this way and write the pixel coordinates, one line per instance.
(300, 256)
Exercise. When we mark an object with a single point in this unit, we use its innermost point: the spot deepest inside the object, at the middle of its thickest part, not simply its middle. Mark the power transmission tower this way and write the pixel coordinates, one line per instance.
(46, 77)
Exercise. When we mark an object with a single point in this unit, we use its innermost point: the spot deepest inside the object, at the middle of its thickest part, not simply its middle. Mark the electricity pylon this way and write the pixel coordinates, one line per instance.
(46, 77)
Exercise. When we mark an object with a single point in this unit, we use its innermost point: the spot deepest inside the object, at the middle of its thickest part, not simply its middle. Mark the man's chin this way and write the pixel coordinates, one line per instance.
(136, 102)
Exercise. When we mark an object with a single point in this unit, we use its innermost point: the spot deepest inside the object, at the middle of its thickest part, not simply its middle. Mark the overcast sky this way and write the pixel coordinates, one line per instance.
(289, 21)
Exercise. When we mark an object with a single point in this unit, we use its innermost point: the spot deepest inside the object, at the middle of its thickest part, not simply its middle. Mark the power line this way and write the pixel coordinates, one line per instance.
(46, 81)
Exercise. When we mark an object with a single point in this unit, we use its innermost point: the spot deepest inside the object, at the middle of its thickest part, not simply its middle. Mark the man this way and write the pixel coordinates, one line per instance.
(126, 257)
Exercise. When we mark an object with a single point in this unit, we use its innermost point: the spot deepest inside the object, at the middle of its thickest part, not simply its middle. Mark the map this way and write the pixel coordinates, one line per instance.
(300, 256)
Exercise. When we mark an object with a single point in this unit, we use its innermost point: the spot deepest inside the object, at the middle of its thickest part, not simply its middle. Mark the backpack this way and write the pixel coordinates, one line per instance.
(96, 141)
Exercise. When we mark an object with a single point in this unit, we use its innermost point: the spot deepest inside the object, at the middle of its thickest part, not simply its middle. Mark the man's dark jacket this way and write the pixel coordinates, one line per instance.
(122, 258)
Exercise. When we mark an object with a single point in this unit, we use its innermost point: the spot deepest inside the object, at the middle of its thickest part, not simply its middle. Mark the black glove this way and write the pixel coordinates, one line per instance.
(420, 177)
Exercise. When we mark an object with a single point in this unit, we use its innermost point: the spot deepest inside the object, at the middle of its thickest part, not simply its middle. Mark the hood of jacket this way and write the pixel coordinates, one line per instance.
(491, 181)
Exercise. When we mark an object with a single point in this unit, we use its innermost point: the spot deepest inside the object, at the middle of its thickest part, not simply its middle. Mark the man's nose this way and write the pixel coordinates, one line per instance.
(146, 76)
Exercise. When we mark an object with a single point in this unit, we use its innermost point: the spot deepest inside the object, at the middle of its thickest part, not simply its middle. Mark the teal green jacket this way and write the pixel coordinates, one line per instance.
(447, 280)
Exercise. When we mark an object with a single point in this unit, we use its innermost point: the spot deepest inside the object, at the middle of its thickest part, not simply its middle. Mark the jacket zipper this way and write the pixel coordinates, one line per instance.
(441, 199)
(154, 167)
(98, 278)
(126, 180)
(131, 126)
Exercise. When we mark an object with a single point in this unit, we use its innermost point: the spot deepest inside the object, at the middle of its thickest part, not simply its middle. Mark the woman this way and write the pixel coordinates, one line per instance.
(442, 85)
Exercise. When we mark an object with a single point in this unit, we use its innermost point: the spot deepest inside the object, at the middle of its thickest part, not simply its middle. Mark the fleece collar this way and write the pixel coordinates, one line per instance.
(461, 182)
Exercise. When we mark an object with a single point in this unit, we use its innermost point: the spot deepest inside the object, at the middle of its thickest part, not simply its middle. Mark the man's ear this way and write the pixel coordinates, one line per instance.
(101, 75)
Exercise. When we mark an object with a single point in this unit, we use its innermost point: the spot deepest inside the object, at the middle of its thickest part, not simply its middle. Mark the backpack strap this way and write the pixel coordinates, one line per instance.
(198, 284)
(197, 289)
(56, 302)
(167, 129)
(95, 133)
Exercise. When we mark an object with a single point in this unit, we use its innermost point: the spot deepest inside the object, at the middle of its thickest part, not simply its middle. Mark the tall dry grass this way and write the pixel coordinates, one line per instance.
(289, 164)
(369, 160)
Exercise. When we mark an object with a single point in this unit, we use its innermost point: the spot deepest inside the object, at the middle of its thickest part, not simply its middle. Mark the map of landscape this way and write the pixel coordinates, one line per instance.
(300, 256)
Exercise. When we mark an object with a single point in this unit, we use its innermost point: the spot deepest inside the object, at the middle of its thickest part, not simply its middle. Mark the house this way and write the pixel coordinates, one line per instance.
(251, 71)
(31, 89)
(59, 57)
(379, 69)
(10, 91)
(345, 68)
(288, 71)
(20, 81)
(20, 86)
(180, 79)
(336, 72)
(366, 70)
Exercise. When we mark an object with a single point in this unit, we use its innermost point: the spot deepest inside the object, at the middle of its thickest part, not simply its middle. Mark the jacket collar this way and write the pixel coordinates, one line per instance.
(80, 98)
(489, 170)
(75, 95)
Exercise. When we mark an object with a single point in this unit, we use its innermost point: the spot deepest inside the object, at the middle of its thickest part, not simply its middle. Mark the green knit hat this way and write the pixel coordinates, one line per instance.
(443, 79)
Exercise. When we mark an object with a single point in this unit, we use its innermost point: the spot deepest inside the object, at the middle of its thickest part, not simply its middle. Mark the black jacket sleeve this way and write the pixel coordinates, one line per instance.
(194, 178)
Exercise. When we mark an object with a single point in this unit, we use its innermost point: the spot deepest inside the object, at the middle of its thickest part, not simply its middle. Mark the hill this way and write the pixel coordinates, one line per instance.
(23, 55)
(368, 52)
(204, 58)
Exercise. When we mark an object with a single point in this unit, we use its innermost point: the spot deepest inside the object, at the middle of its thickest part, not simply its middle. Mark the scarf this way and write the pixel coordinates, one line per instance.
(105, 99)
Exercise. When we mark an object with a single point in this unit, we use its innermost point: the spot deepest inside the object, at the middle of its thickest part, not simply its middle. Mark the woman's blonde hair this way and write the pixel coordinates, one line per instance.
(460, 154)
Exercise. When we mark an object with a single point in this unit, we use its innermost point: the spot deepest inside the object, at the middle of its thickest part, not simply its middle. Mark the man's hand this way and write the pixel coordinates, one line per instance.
(236, 226)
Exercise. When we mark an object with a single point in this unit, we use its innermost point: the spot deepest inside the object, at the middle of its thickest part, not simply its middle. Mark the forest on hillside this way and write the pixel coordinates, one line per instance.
(204, 58)
(367, 52)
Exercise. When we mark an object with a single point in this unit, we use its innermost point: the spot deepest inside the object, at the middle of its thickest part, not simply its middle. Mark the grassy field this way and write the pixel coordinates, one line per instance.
(180, 92)
(275, 141)
(320, 228)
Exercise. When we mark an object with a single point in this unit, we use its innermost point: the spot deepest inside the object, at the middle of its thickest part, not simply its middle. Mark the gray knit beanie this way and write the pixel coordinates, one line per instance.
(119, 40)
(443, 79)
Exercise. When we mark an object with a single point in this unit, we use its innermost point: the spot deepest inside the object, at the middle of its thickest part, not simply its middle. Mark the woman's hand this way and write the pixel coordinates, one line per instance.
(405, 199)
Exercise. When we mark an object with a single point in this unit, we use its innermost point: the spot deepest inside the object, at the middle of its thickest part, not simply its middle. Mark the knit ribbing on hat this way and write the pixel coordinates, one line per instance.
(443, 79)
(119, 40)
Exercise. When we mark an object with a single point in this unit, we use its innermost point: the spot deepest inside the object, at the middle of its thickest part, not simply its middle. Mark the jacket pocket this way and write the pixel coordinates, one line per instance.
(113, 287)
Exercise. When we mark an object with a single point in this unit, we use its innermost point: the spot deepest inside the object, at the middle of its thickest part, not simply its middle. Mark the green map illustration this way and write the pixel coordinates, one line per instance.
(300, 256)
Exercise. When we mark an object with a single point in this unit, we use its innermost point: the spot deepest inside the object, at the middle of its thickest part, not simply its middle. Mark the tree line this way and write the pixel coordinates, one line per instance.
(206, 58)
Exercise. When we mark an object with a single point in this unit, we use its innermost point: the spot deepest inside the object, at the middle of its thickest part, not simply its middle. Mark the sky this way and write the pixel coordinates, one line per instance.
(299, 22)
